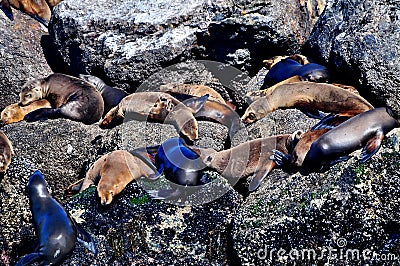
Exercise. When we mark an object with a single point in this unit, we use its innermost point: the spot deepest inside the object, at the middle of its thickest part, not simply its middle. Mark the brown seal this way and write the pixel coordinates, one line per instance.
(252, 157)
(6, 151)
(159, 107)
(310, 97)
(194, 90)
(116, 170)
(70, 97)
(301, 59)
(15, 112)
(37, 9)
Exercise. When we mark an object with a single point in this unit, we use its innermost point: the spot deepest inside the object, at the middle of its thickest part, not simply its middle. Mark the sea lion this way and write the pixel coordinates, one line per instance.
(6, 152)
(309, 97)
(180, 164)
(159, 107)
(116, 170)
(302, 59)
(111, 96)
(216, 112)
(70, 97)
(365, 130)
(14, 113)
(252, 157)
(37, 9)
(56, 230)
(287, 68)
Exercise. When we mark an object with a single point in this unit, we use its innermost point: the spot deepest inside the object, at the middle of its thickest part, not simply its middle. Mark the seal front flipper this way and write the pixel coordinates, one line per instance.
(195, 104)
(280, 158)
(28, 259)
(43, 114)
(371, 147)
(330, 121)
(74, 188)
(85, 239)
(265, 169)
(313, 113)
(40, 19)
(5, 6)
(333, 162)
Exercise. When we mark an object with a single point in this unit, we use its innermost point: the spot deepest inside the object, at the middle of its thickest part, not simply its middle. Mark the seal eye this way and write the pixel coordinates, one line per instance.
(252, 116)
(209, 159)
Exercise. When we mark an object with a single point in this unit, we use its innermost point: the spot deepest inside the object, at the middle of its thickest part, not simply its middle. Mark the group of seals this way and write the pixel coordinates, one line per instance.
(57, 231)
(37, 9)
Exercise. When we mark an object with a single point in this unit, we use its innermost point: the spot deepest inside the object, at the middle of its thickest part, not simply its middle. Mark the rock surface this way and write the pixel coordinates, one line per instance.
(359, 40)
(124, 42)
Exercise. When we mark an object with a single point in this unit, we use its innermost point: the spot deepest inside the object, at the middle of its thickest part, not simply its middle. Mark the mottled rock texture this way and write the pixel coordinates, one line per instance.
(359, 40)
(125, 41)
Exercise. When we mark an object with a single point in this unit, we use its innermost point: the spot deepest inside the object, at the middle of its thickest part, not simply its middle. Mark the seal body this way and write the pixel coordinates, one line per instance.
(69, 97)
(6, 152)
(159, 107)
(287, 68)
(14, 113)
(111, 96)
(252, 157)
(309, 97)
(38, 9)
(365, 130)
(115, 170)
(56, 230)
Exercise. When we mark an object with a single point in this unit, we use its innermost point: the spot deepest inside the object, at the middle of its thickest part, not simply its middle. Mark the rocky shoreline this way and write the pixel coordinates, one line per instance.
(352, 207)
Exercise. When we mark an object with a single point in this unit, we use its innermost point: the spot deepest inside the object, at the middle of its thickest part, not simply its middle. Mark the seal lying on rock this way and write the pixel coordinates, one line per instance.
(6, 151)
(309, 97)
(56, 230)
(287, 68)
(366, 130)
(116, 170)
(301, 59)
(111, 96)
(252, 157)
(14, 112)
(70, 97)
(159, 107)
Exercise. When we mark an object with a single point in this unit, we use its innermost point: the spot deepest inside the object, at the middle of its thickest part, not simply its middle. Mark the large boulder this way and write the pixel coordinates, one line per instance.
(359, 40)
(124, 42)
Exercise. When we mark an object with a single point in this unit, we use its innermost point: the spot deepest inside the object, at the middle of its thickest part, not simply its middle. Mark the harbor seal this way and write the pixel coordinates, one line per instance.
(365, 130)
(69, 97)
(158, 107)
(14, 112)
(56, 230)
(6, 152)
(287, 68)
(252, 157)
(111, 96)
(116, 170)
(309, 97)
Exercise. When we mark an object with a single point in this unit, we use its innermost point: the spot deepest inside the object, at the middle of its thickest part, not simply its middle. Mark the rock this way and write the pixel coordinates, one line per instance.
(21, 55)
(152, 35)
(351, 209)
(360, 42)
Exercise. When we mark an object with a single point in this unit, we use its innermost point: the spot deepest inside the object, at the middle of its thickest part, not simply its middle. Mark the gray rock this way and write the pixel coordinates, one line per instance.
(21, 55)
(359, 41)
(124, 42)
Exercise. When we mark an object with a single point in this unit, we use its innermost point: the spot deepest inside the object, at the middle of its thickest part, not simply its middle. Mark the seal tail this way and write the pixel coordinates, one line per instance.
(5, 6)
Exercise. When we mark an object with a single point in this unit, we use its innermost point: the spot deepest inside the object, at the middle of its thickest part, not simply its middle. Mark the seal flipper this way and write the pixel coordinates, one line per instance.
(74, 188)
(5, 6)
(28, 259)
(43, 114)
(330, 121)
(371, 147)
(85, 239)
(281, 159)
(196, 103)
(164, 194)
(265, 169)
(313, 113)
(40, 19)
(337, 160)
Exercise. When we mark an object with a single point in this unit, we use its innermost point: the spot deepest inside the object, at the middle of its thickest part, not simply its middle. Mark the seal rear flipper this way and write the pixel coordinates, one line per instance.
(265, 169)
(40, 19)
(313, 113)
(196, 103)
(371, 147)
(74, 188)
(29, 259)
(330, 121)
(43, 114)
(85, 239)
(5, 6)
(280, 159)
